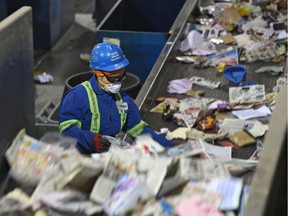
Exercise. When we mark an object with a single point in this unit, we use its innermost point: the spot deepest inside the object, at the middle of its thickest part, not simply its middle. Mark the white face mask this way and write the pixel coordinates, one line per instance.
(113, 88)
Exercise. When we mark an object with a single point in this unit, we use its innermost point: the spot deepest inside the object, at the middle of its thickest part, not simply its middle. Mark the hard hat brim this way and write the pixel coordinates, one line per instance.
(114, 67)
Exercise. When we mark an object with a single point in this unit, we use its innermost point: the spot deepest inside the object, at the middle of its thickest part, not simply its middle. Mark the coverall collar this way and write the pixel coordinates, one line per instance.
(95, 86)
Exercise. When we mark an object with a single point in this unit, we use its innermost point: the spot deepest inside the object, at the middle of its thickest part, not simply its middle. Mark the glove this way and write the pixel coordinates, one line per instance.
(101, 144)
(176, 142)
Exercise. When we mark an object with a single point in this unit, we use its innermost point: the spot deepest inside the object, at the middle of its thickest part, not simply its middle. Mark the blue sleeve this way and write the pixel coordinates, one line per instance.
(133, 118)
(158, 137)
(73, 107)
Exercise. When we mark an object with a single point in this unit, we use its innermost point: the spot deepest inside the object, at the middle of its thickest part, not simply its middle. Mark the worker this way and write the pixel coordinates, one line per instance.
(100, 107)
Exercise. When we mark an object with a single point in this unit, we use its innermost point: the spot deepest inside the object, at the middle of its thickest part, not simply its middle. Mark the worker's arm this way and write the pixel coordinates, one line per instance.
(71, 113)
(135, 126)
(157, 137)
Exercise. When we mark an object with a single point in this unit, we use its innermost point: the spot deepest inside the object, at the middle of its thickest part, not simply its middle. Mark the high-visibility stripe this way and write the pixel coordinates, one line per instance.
(65, 124)
(121, 112)
(93, 102)
(137, 129)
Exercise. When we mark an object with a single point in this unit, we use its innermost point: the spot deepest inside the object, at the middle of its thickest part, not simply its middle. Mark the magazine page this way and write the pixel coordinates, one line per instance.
(228, 57)
(147, 169)
(247, 93)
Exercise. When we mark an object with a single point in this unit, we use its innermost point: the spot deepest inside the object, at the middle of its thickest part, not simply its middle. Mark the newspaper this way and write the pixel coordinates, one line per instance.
(29, 159)
(201, 81)
(190, 148)
(70, 202)
(47, 167)
(252, 93)
(261, 50)
(147, 169)
(70, 167)
(173, 178)
(194, 102)
(202, 169)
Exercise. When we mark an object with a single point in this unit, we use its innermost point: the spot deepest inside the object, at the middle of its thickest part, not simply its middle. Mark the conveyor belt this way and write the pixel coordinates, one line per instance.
(167, 68)
(176, 70)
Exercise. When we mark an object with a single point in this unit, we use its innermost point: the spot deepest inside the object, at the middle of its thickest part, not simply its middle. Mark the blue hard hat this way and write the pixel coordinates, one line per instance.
(235, 73)
(107, 57)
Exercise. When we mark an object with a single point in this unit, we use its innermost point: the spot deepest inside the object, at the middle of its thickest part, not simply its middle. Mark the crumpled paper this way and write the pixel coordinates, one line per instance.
(273, 70)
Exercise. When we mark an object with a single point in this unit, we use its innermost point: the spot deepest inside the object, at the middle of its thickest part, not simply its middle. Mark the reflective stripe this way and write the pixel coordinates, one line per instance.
(65, 124)
(121, 112)
(95, 118)
(137, 129)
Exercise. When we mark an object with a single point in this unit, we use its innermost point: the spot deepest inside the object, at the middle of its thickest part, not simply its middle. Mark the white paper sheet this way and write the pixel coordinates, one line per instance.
(180, 86)
(282, 34)
(232, 126)
(218, 151)
(193, 41)
(230, 190)
(252, 113)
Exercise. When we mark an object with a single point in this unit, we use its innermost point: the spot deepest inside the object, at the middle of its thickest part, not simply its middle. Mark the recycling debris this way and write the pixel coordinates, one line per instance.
(273, 70)
(201, 174)
(42, 77)
(235, 73)
(241, 25)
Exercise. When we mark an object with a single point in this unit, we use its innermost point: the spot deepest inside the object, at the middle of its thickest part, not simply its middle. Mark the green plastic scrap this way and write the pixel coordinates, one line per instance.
(273, 70)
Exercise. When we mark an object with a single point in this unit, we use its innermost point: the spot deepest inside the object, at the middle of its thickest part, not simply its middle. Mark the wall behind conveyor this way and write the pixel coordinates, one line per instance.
(16, 78)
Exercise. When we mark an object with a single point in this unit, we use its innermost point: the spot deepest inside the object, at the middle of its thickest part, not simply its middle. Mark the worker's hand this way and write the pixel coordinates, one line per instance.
(176, 142)
(101, 144)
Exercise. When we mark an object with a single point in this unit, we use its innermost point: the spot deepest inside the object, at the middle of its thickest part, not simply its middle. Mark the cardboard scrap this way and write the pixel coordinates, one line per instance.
(242, 138)
(228, 38)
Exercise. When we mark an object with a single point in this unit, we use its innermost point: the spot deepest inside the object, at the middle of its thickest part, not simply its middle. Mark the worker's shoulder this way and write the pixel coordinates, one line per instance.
(76, 91)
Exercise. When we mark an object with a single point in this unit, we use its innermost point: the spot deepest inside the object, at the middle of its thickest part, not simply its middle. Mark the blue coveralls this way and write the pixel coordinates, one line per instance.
(75, 116)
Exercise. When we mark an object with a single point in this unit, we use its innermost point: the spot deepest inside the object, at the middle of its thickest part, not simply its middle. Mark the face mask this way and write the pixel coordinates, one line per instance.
(113, 88)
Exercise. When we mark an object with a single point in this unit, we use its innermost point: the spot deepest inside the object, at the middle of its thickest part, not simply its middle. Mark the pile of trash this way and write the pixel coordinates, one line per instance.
(215, 120)
(199, 176)
(228, 36)
(247, 32)
(141, 178)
